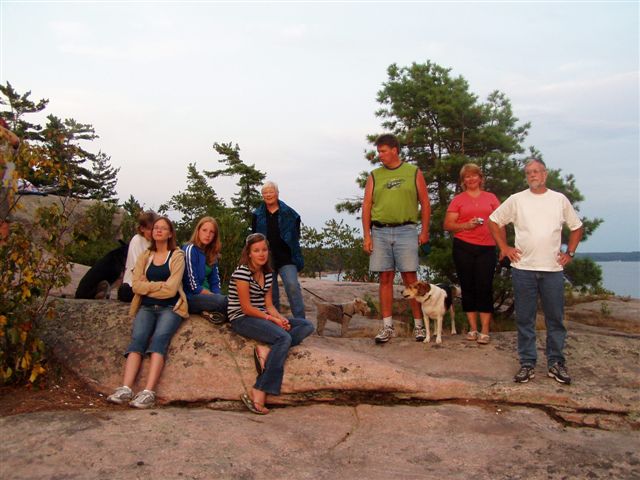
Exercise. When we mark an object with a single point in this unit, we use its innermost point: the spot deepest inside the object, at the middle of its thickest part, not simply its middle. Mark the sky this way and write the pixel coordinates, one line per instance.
(294, 84)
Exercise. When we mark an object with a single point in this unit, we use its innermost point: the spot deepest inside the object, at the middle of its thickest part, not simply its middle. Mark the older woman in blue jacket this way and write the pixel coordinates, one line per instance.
(201, 280)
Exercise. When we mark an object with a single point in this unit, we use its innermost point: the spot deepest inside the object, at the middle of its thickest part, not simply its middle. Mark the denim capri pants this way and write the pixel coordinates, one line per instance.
(156, 323)
(394, 249)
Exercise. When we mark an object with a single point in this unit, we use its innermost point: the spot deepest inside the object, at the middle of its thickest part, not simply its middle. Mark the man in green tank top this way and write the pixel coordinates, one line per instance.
(390, 215)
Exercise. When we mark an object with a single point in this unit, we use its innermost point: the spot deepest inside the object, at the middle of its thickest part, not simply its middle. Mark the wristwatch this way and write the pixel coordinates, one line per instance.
(571, 254)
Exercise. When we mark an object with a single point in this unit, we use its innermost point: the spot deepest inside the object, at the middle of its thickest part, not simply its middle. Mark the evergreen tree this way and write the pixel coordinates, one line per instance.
(249, 181)
(61, 141)
(104, 176)
(441, 126)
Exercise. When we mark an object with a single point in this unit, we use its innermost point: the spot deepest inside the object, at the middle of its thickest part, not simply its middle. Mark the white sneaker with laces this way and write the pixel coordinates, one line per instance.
(385, 334)
(144, 399)
(121, 395)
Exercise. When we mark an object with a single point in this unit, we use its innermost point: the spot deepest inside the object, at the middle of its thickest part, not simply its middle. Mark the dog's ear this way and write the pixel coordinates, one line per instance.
(423, 288)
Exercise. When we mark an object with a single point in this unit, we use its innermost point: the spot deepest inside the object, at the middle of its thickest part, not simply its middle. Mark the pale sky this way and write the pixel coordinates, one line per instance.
(295, 83)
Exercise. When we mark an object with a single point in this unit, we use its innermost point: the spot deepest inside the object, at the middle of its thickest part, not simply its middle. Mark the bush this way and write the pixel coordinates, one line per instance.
(28, 272)
(94, 235)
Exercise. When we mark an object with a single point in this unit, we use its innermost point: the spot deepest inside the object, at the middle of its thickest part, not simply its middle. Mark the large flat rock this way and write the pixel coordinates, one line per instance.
(320, 442)
(209, 364)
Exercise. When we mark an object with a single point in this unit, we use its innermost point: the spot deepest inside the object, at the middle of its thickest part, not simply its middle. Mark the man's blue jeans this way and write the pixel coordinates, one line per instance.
(289, 275)
(527, 285)
(207, 302)
(280, 341)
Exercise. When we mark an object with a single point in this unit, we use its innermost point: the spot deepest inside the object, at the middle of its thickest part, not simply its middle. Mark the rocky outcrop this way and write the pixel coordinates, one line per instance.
(212, 364)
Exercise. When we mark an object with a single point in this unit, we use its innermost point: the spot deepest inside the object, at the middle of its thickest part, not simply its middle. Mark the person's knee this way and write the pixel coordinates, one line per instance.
(386, 278)
(283, 339)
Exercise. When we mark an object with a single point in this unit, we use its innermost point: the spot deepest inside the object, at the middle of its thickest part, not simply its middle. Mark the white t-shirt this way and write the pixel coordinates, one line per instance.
(137, 245)
(538, 220)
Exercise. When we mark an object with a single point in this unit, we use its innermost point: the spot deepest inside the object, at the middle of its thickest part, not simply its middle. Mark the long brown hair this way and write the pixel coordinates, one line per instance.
(171, 242)
(244, 255)
(211, 251)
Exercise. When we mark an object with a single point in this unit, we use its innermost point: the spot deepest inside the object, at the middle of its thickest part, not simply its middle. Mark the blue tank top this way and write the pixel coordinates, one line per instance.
(159, 273)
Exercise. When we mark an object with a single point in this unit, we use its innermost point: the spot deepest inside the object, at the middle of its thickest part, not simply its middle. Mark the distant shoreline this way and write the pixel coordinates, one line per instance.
(610, 256)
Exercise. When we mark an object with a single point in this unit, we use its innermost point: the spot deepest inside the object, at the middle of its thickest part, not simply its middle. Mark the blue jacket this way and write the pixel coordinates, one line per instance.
(289, 226)
(194, 271)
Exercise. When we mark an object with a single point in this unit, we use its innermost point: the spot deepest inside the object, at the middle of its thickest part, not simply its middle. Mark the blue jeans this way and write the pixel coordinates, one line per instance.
(280, 341)
(207, 302)
(394, 249)
(527, 285)
(289, 275)
(156, 323)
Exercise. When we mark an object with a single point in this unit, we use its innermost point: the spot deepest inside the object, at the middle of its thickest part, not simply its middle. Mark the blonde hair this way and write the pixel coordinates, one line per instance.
(470, 168)
(212, 250)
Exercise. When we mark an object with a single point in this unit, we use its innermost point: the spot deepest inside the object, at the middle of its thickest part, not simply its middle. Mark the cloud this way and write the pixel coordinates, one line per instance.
(294, 32)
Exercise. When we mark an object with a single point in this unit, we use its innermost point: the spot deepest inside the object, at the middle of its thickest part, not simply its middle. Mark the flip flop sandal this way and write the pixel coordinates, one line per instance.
(472, 335)
(256, 360)
(483, 339)
(251, 405)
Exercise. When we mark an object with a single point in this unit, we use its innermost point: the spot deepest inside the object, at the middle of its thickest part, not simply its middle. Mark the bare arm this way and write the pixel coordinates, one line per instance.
(248, 309)
(574, 238)
(500, 236)
(425, 207)
(367, 203)
(451, 223)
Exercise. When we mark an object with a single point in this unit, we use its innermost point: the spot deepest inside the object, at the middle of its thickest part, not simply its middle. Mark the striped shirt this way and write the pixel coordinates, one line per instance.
(256, 292)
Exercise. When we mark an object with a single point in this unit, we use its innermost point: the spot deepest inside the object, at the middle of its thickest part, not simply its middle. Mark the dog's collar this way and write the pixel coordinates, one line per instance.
(345, 313)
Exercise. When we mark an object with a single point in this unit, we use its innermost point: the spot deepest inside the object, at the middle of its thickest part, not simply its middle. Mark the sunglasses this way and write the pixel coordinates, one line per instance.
(258, 237)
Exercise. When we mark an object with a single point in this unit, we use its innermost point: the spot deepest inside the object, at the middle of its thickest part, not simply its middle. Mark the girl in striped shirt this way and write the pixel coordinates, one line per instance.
(253, 315)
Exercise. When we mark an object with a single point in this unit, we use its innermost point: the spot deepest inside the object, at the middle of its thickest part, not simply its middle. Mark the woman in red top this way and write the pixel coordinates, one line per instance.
(474, 250)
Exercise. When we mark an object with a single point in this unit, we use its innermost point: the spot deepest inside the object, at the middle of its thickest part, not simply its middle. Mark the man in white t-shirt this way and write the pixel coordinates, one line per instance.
(537, 262)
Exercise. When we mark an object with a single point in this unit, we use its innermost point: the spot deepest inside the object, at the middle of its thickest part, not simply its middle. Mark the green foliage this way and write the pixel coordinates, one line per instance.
(585, 275)
(104, 178)
(198, 200)
(94, 235)
(61, 140)
(131, 209)
(32, 262)
(311, 242)
(249, 179)
(234, 229)
(441, 126)
(337, 248)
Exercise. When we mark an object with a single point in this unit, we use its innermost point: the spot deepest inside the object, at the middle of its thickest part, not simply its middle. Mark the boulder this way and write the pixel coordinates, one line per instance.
(207, 363)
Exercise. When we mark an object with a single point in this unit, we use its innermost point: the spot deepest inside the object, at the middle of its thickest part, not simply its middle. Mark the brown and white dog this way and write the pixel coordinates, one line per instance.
(339, 313)
(435, 301)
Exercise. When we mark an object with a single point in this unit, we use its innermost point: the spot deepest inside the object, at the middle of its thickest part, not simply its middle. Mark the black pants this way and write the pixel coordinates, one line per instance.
(125, 293)
(475, 265)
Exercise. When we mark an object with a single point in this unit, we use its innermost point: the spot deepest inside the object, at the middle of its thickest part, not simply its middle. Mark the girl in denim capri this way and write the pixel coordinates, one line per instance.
(159, 305)
(253, 315)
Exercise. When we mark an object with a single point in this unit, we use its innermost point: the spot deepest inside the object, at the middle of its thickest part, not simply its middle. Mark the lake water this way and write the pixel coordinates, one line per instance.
(622, 278)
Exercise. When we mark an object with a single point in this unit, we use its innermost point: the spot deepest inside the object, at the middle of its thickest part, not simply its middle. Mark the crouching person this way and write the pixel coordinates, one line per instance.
(159, 305)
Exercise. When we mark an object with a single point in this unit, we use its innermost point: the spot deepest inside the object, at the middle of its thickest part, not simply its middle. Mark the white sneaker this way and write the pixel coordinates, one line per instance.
(121, 395)
(385, 334)
(144, 399)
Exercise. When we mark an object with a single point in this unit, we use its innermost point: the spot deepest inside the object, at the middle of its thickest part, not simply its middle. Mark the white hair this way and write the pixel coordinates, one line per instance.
(270, 184)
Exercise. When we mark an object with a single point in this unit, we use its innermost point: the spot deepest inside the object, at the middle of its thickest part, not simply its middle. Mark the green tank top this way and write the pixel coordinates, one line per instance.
(395, 196)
